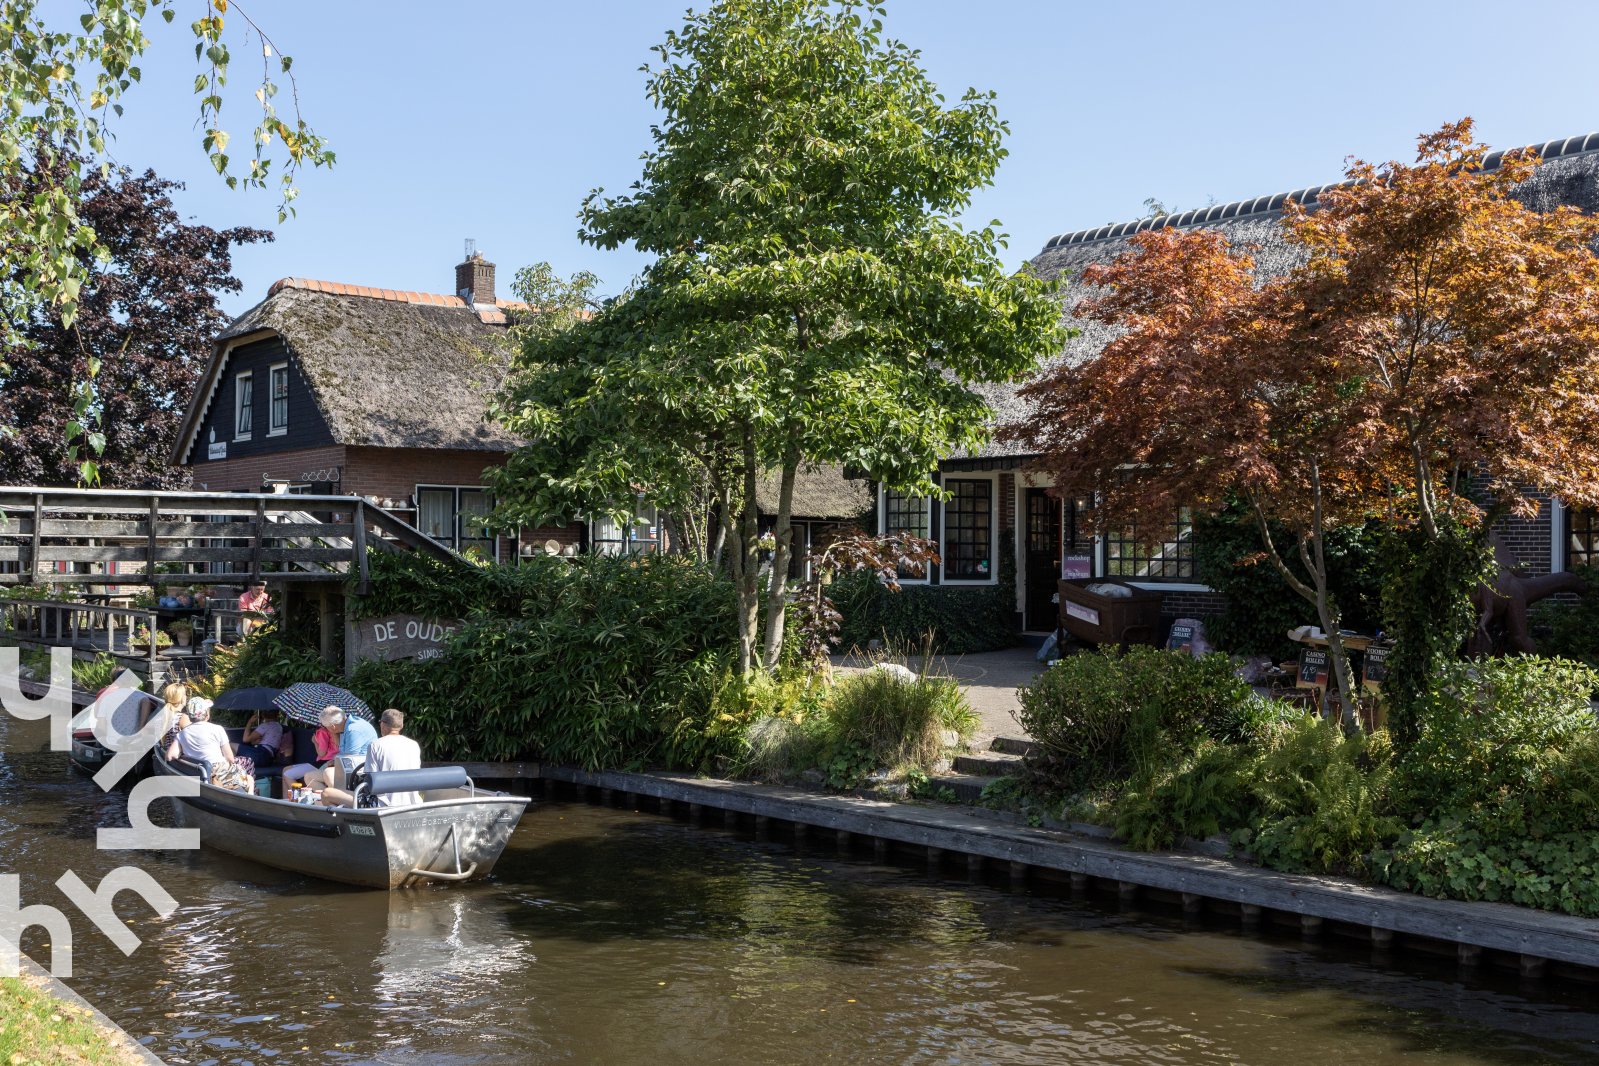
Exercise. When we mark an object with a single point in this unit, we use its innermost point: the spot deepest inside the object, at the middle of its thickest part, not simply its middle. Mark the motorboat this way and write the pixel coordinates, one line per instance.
(456, 834)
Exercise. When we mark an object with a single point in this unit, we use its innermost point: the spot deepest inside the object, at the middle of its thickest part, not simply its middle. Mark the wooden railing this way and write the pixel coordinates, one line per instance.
(193, 537)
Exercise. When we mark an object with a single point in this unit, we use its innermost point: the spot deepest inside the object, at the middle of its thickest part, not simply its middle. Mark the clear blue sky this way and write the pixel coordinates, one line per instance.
(492, 120)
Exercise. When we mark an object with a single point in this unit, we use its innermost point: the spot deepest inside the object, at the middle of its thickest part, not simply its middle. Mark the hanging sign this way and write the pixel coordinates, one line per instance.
(1076, 566)
(401, 636)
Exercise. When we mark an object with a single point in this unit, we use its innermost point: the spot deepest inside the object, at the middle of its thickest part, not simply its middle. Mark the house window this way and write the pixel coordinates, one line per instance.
(969, 530)
(243, 405)
(278, 418)
(1172, 559)
(610, 537)
(905, 514)
(1582, 538)
(453, 515)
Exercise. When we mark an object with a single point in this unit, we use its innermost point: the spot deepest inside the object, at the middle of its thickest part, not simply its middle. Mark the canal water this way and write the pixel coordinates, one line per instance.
(609, 936)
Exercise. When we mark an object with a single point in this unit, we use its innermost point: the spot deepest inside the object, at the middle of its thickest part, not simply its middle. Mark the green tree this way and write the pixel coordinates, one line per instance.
(62, 85)
(814, 299)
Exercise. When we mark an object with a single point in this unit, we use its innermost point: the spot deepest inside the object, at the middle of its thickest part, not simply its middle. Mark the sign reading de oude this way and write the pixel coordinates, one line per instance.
(401, 636)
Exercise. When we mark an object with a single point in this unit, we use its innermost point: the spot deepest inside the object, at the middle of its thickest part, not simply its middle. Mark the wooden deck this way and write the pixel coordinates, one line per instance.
(82, 537)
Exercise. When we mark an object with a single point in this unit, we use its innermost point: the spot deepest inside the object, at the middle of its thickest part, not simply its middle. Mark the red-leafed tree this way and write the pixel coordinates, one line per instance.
(147, 316)
(1435, 330)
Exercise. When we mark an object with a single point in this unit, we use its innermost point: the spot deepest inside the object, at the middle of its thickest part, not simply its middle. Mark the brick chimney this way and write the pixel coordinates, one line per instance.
(474, 279)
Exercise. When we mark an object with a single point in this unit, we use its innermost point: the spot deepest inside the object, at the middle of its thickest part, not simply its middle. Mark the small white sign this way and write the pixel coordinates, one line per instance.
(217, 450)
(1081, 613)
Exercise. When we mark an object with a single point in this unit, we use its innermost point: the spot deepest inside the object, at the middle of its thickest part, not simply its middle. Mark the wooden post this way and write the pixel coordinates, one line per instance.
(38, 529)
(255, 543)
(149, 539)
(325, 623)
(363, 584)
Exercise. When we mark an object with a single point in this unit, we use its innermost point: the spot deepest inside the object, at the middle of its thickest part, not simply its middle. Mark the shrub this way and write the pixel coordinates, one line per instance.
(961, 620)
(1454, 860)
(595, 661)
(271, 658)
(894, 721)
(1507, 743)
(1570, 630)
(1323, 798)
(1202, 792)
(1100, 716)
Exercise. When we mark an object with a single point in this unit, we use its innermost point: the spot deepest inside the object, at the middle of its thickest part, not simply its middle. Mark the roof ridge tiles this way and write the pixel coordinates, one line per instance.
(1555, 149)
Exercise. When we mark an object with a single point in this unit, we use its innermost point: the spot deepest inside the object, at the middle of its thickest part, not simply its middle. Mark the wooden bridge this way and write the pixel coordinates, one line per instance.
(84, 539)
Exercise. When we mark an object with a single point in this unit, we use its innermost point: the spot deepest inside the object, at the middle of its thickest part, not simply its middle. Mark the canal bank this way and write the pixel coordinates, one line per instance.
(976, 842)
(43, 1021)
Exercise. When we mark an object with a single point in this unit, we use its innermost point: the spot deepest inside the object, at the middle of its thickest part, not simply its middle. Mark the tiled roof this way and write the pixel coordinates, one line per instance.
(430, 299)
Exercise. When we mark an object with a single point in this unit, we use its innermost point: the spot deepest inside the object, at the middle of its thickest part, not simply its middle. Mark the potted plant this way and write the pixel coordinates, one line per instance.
(142, 637)
(182, 631)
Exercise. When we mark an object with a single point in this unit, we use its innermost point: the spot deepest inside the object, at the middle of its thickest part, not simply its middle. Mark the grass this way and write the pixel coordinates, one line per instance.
(37, 1029)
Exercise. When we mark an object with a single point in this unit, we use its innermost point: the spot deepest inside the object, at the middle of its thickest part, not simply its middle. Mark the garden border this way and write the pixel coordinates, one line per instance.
(1521, 936)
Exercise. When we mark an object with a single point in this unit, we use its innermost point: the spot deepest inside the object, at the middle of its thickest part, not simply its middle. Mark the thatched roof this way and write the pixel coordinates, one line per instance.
(820, 492)
(1569, 175)
(387, 369)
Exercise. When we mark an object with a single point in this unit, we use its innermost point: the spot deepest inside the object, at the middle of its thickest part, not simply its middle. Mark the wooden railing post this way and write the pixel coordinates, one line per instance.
(260, 533)
(149, 539)
(358, 542)
(38, 529)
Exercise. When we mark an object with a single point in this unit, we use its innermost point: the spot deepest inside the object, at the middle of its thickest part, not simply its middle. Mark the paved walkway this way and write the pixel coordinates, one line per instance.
(990, 680)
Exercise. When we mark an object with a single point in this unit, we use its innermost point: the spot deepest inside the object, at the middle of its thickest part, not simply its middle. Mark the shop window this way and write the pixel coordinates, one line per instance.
(453, 515)
(1582, 538)
(1128, 555)
(610, 537)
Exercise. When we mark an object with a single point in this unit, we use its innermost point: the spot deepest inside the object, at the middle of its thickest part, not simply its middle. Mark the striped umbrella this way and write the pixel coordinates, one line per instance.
(304, 702)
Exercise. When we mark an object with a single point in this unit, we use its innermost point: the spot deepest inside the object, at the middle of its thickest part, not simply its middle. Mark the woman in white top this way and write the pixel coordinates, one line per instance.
(202, 740)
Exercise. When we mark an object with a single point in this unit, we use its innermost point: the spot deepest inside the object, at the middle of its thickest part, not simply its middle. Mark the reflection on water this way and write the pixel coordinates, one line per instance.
(608, 936)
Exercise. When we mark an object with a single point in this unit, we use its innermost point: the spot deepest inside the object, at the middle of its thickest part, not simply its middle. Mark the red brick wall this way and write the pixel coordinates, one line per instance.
(249, 473)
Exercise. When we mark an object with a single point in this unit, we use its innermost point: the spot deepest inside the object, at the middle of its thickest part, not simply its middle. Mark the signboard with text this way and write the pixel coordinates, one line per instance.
(401, 636)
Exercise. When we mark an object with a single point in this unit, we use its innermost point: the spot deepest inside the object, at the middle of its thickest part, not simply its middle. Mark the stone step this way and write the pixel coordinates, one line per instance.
(1012, 745)
(968, 788)
(989, 763)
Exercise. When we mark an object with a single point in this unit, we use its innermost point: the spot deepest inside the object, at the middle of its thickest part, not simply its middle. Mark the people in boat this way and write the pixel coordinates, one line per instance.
(310, 773)
(390, 751)
(256, 600)
(175, 707)
(354, 735)
(204, 742)
(263, 733)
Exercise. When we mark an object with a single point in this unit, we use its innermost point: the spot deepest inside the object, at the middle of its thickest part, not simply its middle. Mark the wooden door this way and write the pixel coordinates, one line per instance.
(1041, 544)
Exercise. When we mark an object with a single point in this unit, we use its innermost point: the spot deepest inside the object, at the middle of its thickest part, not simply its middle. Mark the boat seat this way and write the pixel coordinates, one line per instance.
(430, 779)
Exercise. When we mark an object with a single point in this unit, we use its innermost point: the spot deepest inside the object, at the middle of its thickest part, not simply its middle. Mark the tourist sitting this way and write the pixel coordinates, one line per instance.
(203, 741)
(310, 773)
(175, 709)
(390, 751)
(354, 735)
(257, 604)
(262, 735)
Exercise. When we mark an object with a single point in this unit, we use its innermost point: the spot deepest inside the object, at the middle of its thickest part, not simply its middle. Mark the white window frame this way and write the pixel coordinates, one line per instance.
(993, 529)
(272, 373)
(882, 530)
(240, 407)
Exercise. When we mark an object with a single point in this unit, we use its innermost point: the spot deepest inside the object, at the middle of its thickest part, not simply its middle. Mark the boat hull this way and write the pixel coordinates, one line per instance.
(456, 836)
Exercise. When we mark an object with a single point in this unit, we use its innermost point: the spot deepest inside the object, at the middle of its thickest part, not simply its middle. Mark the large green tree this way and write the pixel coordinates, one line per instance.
(814, 298)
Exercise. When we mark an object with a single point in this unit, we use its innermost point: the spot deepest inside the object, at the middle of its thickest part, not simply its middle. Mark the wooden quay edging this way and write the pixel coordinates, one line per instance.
(1497, 932)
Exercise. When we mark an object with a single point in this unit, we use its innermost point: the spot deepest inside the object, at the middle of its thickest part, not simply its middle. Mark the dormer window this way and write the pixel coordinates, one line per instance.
(278, 412)
(243, 405)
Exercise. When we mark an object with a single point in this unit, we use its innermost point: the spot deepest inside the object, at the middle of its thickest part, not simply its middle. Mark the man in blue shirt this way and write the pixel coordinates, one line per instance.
(354, 735)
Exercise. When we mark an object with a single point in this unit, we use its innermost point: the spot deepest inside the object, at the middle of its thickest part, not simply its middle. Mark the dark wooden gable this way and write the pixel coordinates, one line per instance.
(218, 438)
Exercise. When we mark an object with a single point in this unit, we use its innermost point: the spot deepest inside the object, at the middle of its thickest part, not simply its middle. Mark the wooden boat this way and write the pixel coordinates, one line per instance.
(456, 834)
